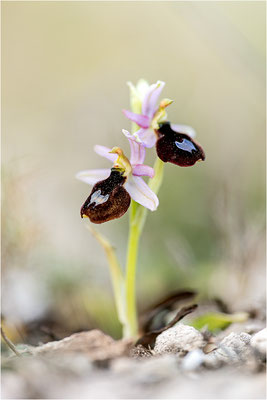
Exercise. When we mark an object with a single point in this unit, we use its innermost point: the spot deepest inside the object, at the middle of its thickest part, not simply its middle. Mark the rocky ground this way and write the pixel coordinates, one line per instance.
(184, 363)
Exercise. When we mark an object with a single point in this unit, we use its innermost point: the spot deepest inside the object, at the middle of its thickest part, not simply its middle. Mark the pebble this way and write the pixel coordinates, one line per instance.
(180, 339)
(259, 341)
(193, 360)
(234, 347)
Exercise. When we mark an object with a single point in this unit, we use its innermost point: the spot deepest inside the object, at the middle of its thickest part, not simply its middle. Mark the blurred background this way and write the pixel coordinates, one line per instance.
(64, 71)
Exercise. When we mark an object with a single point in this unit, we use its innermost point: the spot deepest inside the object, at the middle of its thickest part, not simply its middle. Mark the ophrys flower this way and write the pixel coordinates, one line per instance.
(174, 142)
(113, 188)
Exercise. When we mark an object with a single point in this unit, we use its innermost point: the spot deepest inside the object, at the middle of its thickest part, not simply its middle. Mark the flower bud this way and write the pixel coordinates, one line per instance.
(108, 199)
(177, 148)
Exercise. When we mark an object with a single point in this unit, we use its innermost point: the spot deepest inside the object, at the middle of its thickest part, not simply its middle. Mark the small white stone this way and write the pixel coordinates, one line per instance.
(193, 360)
(234, 347)
(236, 340)
(259, 341)
(179, 340)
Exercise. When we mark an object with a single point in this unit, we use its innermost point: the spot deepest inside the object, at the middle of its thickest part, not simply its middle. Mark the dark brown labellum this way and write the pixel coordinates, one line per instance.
(108, 199)
(177, 148)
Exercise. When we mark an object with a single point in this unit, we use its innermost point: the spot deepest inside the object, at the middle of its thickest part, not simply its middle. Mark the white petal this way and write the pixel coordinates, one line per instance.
(140, 192)
(188, 130)
(93, 176)
(104, 151)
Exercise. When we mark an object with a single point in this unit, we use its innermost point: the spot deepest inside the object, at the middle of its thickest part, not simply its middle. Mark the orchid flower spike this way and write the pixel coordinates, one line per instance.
(113, 189)
(174, 142)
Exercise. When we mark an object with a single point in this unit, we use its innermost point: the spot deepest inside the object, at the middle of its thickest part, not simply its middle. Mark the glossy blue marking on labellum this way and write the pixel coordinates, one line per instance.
(177, 148)
(108, 199)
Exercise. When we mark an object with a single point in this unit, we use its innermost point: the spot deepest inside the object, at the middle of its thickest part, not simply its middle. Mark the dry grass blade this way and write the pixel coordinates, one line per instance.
(115, 270)
(9, 343)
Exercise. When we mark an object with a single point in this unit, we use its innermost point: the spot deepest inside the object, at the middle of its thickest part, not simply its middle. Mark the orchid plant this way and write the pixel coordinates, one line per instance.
(122, 187)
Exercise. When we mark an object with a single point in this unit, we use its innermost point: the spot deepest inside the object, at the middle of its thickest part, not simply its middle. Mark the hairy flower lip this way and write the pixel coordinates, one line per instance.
(177, 148)
(108, 199)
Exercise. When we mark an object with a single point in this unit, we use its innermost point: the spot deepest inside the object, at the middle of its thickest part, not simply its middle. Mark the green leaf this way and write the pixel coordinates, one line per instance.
(215, 322)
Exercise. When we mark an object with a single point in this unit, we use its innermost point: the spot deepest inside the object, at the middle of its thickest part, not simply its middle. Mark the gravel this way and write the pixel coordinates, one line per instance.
(91, 365)
(180, 339)
(259, 341)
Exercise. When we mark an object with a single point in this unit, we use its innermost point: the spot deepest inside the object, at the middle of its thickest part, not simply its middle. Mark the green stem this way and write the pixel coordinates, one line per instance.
(138, 216)
(133, 242)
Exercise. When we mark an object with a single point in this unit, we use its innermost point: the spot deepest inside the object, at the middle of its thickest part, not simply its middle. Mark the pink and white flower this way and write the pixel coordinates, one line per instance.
(131, 170)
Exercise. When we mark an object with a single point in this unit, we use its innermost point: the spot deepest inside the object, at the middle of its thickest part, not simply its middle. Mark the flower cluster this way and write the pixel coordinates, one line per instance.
(114, 188)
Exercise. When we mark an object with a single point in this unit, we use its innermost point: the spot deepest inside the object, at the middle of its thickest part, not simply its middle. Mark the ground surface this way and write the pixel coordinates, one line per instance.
(184, 364)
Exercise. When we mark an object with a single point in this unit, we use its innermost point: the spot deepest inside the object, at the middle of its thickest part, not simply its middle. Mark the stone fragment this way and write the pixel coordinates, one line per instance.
(234, 347)
(193, 360)
(180, 339)
(259, 341)
(94, 344)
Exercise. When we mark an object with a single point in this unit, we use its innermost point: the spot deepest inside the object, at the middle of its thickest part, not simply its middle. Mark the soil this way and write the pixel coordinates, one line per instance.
(184, 365)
